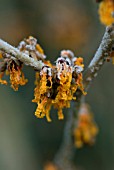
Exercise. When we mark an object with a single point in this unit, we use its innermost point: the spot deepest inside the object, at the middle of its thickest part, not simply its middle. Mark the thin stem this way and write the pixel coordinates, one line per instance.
(66, 152)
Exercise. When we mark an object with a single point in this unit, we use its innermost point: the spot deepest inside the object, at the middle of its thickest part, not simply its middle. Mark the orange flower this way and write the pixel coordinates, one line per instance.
(42, 92)
(16, 77)
(56, 85)
(86, 129)
(106, 12)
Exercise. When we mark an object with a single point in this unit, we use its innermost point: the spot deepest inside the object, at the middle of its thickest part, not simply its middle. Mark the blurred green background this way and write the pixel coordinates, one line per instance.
(26, 143)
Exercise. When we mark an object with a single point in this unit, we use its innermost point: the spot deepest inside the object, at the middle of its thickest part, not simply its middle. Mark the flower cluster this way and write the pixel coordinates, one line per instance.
(106, 12)
(32, 48)
(12, 67)
(86, 129)
(16, 76)
(9, 65)
(56, 85)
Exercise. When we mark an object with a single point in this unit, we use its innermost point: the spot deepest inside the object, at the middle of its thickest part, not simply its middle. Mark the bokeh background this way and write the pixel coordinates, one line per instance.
(26, 143)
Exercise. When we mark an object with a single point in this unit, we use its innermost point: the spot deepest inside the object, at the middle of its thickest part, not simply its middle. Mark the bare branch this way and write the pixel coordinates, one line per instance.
(100, 56)
(23, 57)
(66, 152)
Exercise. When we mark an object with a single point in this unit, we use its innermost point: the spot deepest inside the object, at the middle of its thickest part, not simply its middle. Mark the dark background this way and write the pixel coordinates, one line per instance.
(26, 143)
